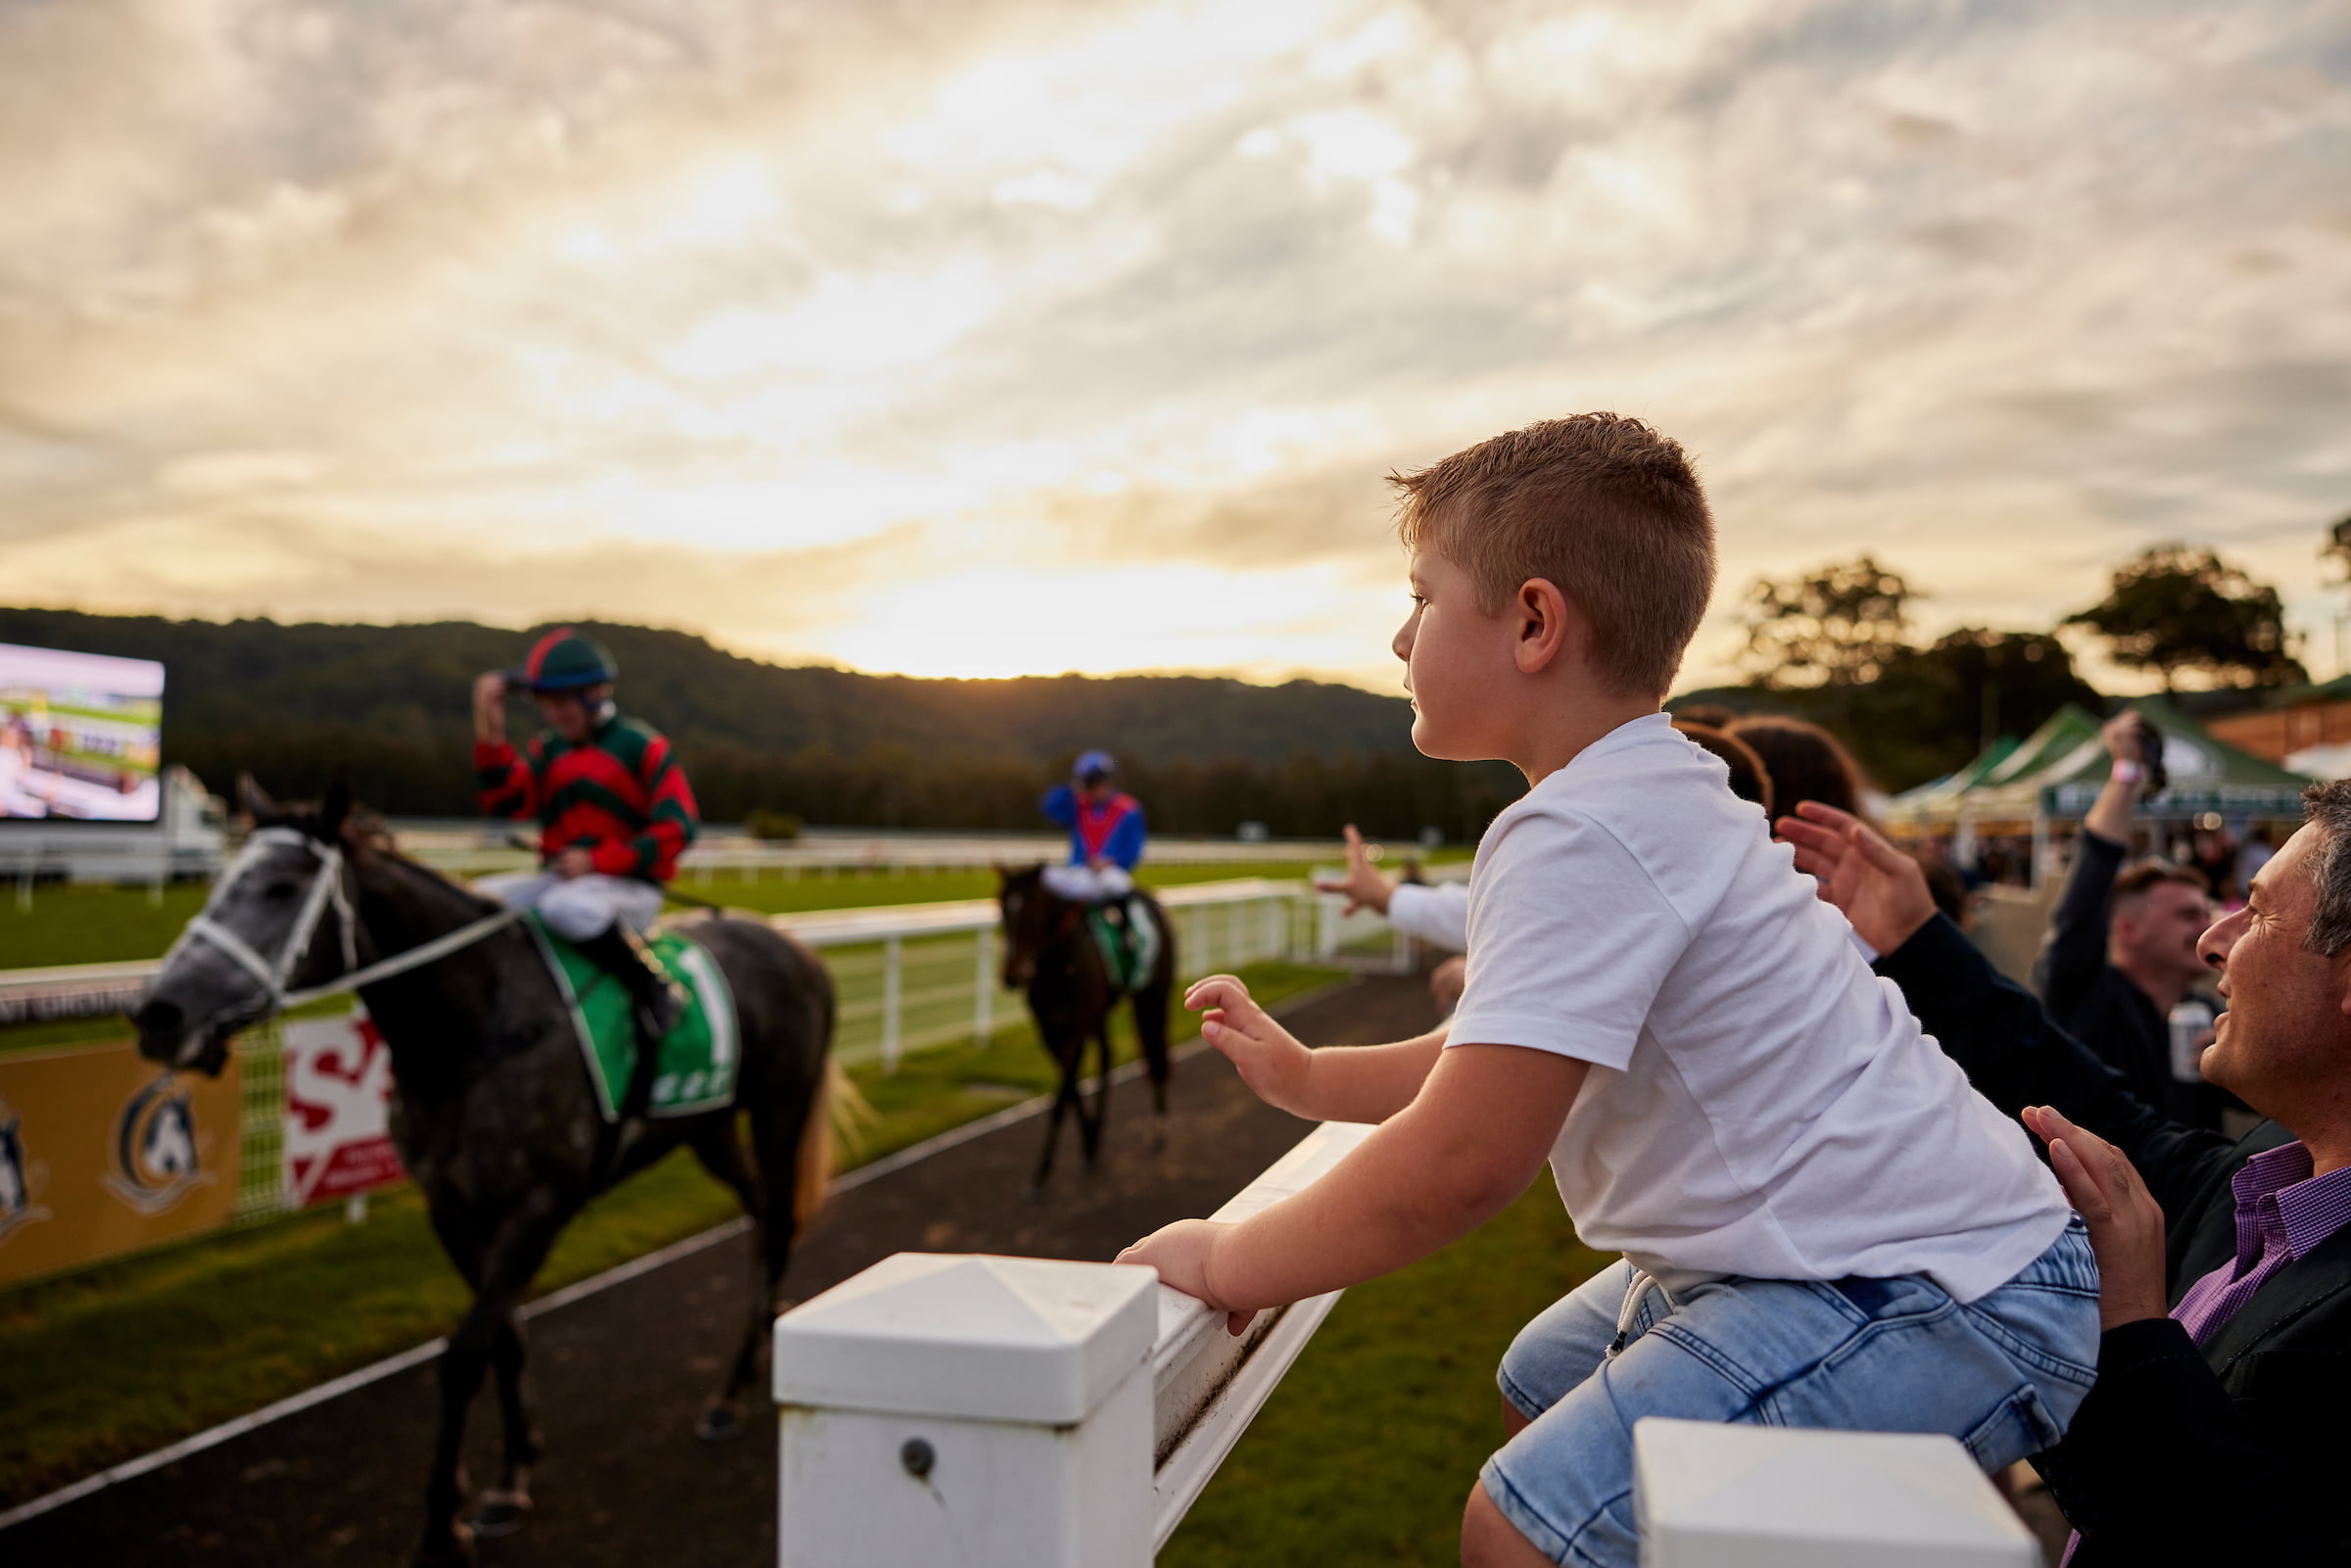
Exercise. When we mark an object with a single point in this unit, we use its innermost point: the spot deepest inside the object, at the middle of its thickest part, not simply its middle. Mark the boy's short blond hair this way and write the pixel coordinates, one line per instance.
(1604, 507)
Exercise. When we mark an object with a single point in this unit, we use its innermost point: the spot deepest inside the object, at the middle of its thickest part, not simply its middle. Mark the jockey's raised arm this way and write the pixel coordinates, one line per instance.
(614, 810)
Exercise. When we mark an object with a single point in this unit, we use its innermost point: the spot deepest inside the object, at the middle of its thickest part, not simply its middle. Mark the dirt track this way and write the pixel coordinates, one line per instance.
(620, 1375)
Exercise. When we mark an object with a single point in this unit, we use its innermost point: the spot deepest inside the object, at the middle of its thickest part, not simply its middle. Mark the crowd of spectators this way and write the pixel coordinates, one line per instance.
(2225, 1255)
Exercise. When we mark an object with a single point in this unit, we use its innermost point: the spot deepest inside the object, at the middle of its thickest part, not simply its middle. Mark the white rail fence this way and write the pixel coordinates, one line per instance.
(1024, 1412)
(909, 976)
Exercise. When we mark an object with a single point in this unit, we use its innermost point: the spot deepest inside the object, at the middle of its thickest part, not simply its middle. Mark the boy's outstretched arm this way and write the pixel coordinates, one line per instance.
(1348, 1083)
(1481, 1127)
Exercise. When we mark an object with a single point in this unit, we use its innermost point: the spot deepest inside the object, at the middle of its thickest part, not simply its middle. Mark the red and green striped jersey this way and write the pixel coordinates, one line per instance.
(620, 795)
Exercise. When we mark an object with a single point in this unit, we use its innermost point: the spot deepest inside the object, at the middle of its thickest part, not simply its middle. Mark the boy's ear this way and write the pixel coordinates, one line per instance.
(1547, 625)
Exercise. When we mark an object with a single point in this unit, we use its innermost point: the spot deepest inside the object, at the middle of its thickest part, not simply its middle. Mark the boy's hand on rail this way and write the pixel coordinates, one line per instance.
(1270, 1060)
(1363, 885)
(1181, 1254)
(1880, 889)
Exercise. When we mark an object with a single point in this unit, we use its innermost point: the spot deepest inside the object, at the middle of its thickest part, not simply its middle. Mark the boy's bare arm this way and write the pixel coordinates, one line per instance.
(1350, 1083)
(1482, 1126)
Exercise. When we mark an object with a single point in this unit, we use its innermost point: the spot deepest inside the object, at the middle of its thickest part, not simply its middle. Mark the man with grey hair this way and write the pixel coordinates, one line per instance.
(2221, 1421)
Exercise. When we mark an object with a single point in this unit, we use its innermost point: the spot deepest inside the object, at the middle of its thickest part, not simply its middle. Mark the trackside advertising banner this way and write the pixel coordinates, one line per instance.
(103, 1151)
(338, 1104)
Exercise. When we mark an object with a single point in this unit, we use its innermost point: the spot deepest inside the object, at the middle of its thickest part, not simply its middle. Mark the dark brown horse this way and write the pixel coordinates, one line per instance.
(494, 1113)
(1051, 955)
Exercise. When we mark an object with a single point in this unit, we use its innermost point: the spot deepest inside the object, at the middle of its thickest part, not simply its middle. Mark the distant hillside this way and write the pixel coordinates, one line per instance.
(391, 703)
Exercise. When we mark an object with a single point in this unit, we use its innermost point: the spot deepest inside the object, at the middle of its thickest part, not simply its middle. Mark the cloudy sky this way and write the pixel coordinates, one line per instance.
(1000, 337)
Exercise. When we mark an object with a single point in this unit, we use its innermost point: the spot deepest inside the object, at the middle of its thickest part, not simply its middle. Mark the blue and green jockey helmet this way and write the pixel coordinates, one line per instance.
(1092, 767)
(563, 660)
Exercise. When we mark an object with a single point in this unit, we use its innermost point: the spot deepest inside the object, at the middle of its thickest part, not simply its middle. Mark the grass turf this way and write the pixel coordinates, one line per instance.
(96, 1367)
(1367, 1449)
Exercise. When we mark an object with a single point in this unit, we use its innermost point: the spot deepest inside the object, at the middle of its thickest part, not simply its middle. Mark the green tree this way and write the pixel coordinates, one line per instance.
(1838, 625)
(2176, 609)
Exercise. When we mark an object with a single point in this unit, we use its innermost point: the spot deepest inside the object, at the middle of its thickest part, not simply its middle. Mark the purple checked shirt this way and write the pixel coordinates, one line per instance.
(2282, 1211)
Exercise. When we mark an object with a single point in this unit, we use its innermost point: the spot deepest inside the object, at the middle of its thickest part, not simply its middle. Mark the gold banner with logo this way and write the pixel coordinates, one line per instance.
(103, 1151)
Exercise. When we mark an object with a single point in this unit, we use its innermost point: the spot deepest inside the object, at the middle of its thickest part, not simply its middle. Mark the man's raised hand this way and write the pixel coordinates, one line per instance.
(1363, 885)
(1880, 889)
(2126, 1224)
(1270, 1060)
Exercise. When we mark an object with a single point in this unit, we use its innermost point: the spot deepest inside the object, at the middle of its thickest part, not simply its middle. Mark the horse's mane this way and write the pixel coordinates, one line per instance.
(365, 834)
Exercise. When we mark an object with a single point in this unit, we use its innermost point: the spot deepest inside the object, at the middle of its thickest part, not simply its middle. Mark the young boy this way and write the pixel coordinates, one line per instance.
(1822, 1225)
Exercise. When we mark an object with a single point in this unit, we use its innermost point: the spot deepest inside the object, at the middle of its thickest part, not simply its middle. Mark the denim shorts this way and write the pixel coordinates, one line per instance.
(2002, 1373)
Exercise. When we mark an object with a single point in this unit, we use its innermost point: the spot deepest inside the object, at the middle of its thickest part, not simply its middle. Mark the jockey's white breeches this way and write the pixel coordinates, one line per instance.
(1089, 885)
(576, 908)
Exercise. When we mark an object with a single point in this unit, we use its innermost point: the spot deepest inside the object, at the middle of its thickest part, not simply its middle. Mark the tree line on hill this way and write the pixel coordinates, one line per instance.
(1835, 646)
(389, 704)
(294, 704)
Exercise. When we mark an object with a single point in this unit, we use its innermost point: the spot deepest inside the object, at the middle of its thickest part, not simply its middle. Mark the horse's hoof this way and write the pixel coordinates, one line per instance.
(499, 1513)
(719, 1422)
(456, 1552)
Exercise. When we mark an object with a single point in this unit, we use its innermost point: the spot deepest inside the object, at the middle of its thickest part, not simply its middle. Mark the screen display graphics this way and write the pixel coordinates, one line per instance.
(80, 735)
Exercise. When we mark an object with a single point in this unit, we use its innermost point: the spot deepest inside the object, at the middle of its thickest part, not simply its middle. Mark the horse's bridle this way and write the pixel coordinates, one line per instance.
(326, 892)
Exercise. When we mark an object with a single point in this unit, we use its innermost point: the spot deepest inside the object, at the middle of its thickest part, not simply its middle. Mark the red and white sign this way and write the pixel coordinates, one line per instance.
(338, 1104)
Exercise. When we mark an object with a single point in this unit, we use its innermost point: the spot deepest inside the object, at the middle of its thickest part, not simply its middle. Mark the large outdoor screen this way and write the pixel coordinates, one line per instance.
(80, 735)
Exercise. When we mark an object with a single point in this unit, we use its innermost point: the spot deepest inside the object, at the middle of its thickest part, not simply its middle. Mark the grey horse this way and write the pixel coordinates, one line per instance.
(494, 1113)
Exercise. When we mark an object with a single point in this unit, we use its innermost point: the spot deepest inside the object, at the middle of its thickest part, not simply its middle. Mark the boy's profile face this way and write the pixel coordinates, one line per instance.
(1456, 660)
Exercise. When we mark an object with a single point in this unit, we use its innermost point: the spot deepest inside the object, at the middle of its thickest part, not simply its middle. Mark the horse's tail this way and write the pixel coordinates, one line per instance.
(836, 1111)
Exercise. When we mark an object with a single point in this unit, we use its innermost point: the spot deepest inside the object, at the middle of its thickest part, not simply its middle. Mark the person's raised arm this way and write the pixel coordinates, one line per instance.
(2074, 952)
(1336, 1084)
(1361, 882)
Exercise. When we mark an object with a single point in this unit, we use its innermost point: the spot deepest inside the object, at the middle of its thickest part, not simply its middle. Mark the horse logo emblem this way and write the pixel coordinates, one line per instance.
(20, 1181)
(154, 1159)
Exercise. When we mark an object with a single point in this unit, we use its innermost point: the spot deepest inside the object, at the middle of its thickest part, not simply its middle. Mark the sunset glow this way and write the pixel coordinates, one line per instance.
(1040, 337)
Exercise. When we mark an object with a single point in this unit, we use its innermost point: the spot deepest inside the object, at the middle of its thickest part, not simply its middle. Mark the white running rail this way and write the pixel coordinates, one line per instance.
(1020, 1410)
(908, 975)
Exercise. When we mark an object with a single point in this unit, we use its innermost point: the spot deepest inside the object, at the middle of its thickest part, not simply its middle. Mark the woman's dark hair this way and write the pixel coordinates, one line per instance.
(1804, 762)
(1748, 780)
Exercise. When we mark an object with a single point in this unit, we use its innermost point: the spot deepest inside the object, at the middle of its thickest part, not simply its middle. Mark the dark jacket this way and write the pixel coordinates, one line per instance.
(2232, 1453)
(2099, 1004)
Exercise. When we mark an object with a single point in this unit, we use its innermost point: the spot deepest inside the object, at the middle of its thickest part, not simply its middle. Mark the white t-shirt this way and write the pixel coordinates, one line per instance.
(1434, 912)
(1759, 1104)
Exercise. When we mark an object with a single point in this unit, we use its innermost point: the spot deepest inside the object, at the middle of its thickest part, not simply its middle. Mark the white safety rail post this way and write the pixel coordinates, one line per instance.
(1014, 1412)
(1712, 1496)
(984, 986)
(893, 953)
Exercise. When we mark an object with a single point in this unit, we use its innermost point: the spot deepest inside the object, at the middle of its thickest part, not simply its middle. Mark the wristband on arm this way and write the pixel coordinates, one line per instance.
(2129, 772)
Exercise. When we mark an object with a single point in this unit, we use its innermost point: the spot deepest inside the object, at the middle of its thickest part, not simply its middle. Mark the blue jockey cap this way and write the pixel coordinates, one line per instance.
(1093, 765)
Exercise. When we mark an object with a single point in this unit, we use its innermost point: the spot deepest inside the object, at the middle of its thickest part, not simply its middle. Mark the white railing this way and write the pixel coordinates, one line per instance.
(908, 975)
(1024, 1412)
(1057, 1414)
(711, 859)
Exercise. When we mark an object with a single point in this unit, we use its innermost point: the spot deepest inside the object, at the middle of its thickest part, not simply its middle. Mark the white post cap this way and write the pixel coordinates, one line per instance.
(1712, 1495)
(993, 1339)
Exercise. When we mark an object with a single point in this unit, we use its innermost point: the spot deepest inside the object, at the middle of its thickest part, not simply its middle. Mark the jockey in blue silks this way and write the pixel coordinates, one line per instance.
(1106, 832)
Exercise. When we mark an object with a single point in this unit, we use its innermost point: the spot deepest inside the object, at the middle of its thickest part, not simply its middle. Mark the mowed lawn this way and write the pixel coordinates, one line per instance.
(117, 1360)
(1367, 1449)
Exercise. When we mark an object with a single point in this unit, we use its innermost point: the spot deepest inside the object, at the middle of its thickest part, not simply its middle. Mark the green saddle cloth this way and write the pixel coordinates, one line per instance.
(698, 1059)
(1131, 955)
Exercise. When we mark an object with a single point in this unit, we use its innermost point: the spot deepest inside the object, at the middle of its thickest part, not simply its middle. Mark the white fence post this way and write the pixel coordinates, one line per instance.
(893, 954)
(989, 1412)
(984, 986)
(1756, 1497)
